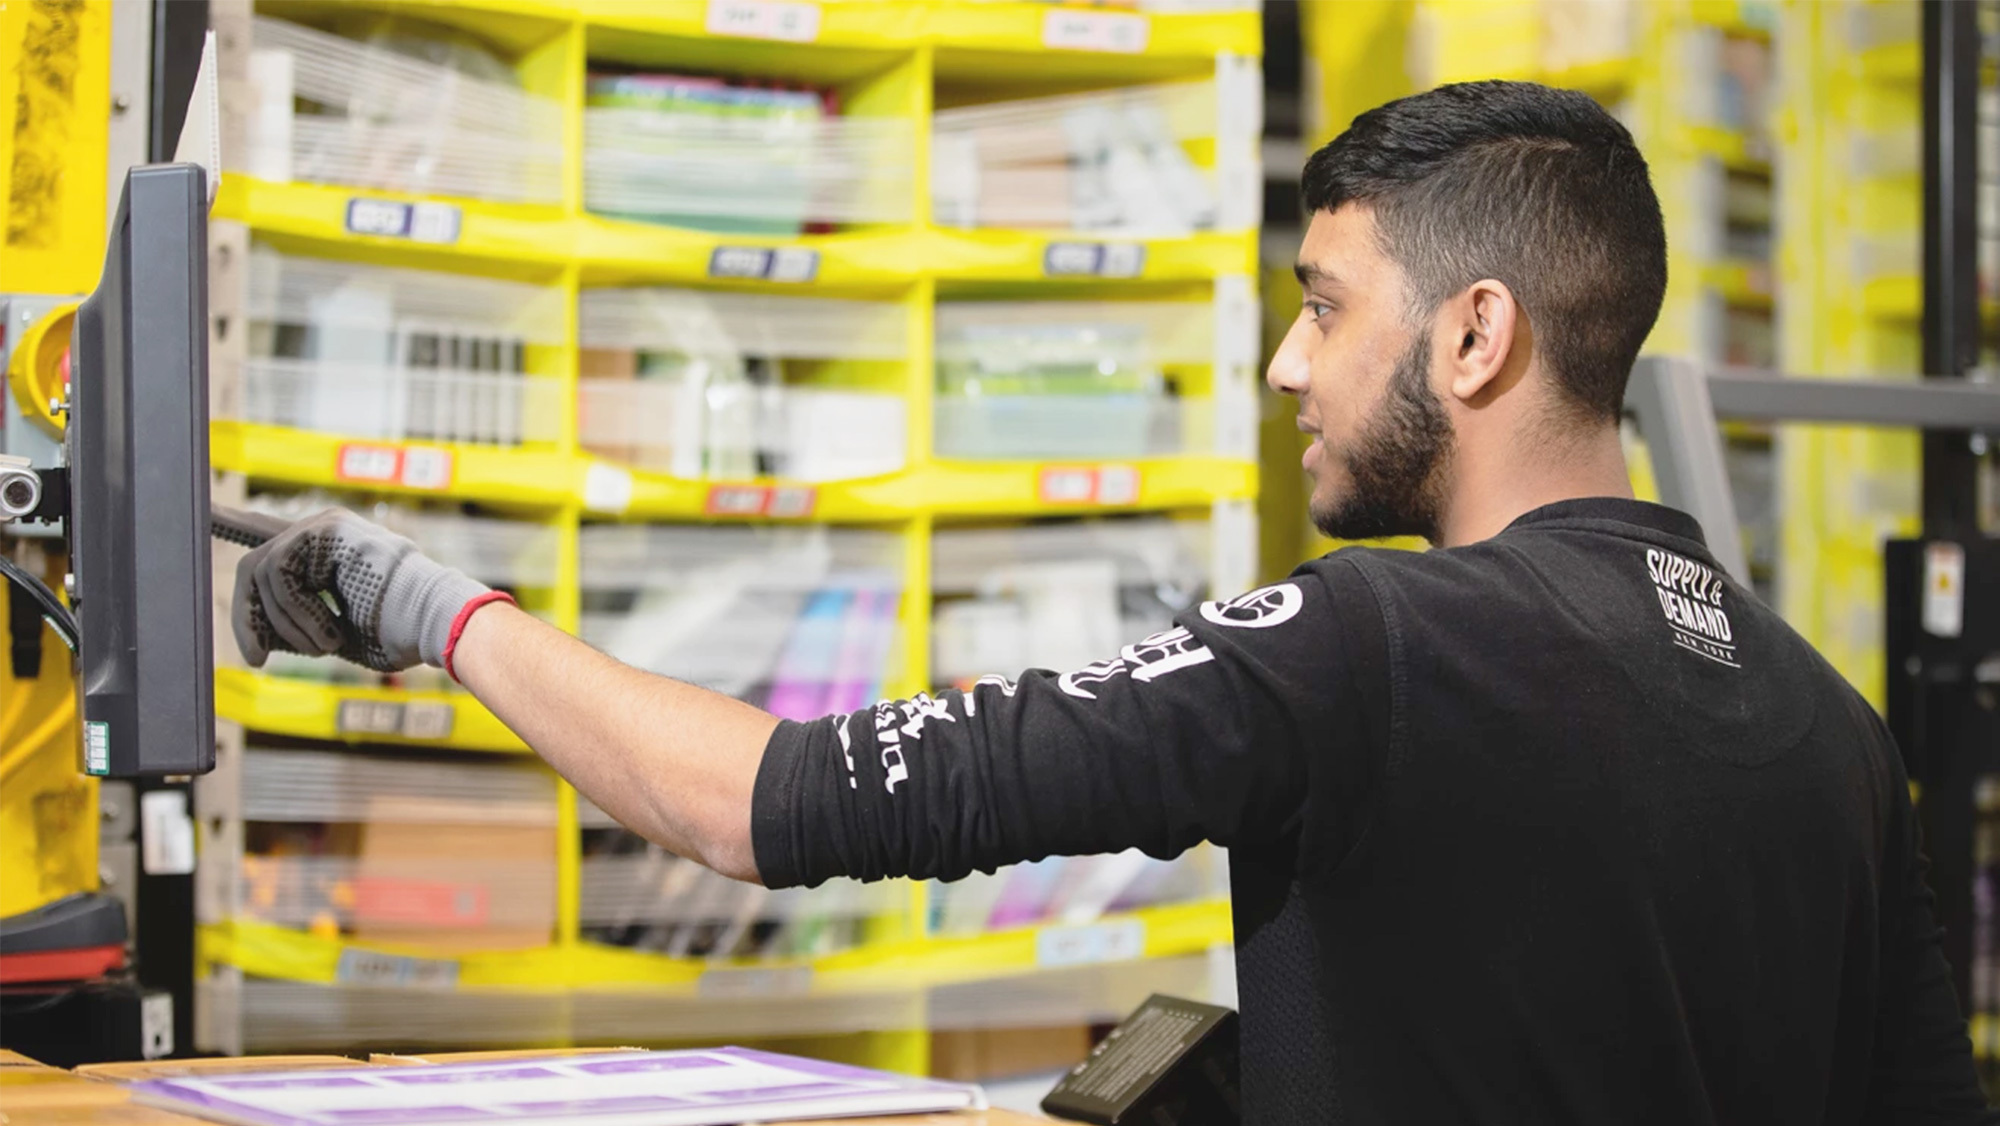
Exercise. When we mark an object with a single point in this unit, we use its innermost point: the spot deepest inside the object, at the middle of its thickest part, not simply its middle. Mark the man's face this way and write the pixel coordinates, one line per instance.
(1361, 372)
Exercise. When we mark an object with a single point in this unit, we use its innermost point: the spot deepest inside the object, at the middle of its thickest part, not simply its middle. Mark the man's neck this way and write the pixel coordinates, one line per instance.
(1492, 488)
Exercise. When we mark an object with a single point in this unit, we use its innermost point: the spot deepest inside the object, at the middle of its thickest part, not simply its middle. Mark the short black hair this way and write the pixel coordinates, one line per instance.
(1535, 187)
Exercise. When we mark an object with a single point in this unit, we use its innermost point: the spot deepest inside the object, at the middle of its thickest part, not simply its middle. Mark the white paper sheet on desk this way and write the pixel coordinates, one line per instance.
(710, 1087)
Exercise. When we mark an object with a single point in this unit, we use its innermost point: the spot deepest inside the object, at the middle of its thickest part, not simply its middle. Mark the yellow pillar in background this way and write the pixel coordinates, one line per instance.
(55, 85)
(1356, 58)
(55, 82)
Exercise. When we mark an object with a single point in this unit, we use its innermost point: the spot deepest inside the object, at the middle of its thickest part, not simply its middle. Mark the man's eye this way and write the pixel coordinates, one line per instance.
(1317, 309)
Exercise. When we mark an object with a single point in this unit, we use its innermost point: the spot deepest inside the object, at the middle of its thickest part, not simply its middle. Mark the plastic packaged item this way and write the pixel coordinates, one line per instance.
(1069, 379)
(746, 610)
(711, 155)
(1113, 160)
(692, 383)
(1073, 891)
(394, 354)
(636, 895)
(416, 109)
(1058, 595)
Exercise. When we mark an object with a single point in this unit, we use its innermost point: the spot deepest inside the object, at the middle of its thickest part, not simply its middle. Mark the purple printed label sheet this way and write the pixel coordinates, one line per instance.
(709, 1087)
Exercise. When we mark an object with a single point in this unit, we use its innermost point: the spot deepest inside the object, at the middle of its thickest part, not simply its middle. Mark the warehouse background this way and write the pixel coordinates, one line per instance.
(822, 351)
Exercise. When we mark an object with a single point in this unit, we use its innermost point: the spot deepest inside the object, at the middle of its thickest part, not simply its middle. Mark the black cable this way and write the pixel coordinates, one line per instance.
(53, 611)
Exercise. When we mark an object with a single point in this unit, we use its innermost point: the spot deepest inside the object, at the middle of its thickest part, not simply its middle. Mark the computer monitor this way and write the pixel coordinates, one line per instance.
(137, 447)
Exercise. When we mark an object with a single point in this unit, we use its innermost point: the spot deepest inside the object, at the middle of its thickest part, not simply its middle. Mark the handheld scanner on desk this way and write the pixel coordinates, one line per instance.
(137, 446)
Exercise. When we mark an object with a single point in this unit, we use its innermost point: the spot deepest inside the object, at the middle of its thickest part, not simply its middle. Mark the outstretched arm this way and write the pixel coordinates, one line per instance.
(1192, 734)
(674, 763)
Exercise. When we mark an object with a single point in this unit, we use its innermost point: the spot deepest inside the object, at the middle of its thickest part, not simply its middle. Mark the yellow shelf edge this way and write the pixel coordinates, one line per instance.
(532, 234)
(610, 250)
(1732, 147)
(527, 477)
(631, 251)
(985, 254)
(1019, 27)
(284, 953)
(884, 25)
(1607, 80)
(1741, 284)
(305, 710)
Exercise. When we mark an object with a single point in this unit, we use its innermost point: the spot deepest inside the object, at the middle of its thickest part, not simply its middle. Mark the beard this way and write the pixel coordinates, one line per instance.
(1395, 468)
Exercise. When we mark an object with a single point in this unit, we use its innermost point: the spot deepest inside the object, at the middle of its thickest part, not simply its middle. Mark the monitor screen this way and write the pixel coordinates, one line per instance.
(137, 447)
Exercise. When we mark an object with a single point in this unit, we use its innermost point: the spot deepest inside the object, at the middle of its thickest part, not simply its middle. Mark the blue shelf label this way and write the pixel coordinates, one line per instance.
(390, 218)
(795, 264)
(1093, 260)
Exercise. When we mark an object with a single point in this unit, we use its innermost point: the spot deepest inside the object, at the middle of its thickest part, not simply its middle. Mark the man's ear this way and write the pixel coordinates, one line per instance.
(1486, 324)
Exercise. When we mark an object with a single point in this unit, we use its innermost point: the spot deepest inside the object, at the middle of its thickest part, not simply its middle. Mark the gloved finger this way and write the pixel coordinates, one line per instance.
(246, 614)
(312, 613)
(279, 590)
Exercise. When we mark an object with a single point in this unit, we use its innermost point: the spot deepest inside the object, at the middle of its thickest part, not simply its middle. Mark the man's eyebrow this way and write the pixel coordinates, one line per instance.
(1309, 274)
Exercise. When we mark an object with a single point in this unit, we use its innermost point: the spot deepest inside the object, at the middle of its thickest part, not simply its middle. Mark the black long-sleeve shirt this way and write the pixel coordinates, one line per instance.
(1563, 826)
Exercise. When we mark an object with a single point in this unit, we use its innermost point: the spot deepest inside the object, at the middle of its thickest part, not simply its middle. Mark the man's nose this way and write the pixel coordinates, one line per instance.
(1291, 366)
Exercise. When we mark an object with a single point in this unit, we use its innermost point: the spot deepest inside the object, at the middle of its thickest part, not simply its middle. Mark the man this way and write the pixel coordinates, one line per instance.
(1553, 824)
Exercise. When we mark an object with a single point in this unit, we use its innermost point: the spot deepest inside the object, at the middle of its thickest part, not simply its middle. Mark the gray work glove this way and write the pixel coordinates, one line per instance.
(391, 607)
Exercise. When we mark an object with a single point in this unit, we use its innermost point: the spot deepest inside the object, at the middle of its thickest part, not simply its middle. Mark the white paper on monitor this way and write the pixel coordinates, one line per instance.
(201, 130)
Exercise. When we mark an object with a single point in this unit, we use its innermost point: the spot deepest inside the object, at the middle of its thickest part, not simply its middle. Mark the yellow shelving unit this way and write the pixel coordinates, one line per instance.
(888, 60)
(1852, 218)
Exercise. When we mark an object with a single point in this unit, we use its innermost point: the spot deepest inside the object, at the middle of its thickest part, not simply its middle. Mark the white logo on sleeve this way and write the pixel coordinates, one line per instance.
(1144, 661)
(901, 721)
(1260, 609)
(1691, 597)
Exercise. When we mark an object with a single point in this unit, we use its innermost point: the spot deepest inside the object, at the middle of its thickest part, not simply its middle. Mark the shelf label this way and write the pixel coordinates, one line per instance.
(372, 967)
(1093, 259)
(1944, 589)
(787, 20)
(606, 488)
(413, 467)
(388, 717)
(1119, 941)
(1068, 29)
(392, 218)
(780, 502)
(779, 981)
(791, 264)
(1088, 484)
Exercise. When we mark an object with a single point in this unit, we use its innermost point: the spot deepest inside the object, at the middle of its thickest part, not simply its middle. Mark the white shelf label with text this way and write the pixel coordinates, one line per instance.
(372, 967)
(781, 502)
(795, 265)
(778, 981)
(412, 467)
(1088, 484)
(1118, 941)
(1070, 30)
(1093, 259)
(393, 218)
(789, 20)
(388, 717)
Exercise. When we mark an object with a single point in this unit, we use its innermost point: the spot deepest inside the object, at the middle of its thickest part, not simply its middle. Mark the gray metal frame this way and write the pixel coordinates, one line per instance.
(1677, 403)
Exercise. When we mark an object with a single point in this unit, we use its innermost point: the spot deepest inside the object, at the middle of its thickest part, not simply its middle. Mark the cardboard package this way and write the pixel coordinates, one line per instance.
(980, 1055)
(456, 887)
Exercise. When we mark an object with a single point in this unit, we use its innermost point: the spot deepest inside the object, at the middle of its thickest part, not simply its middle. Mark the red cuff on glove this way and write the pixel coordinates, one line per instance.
(465, 615)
